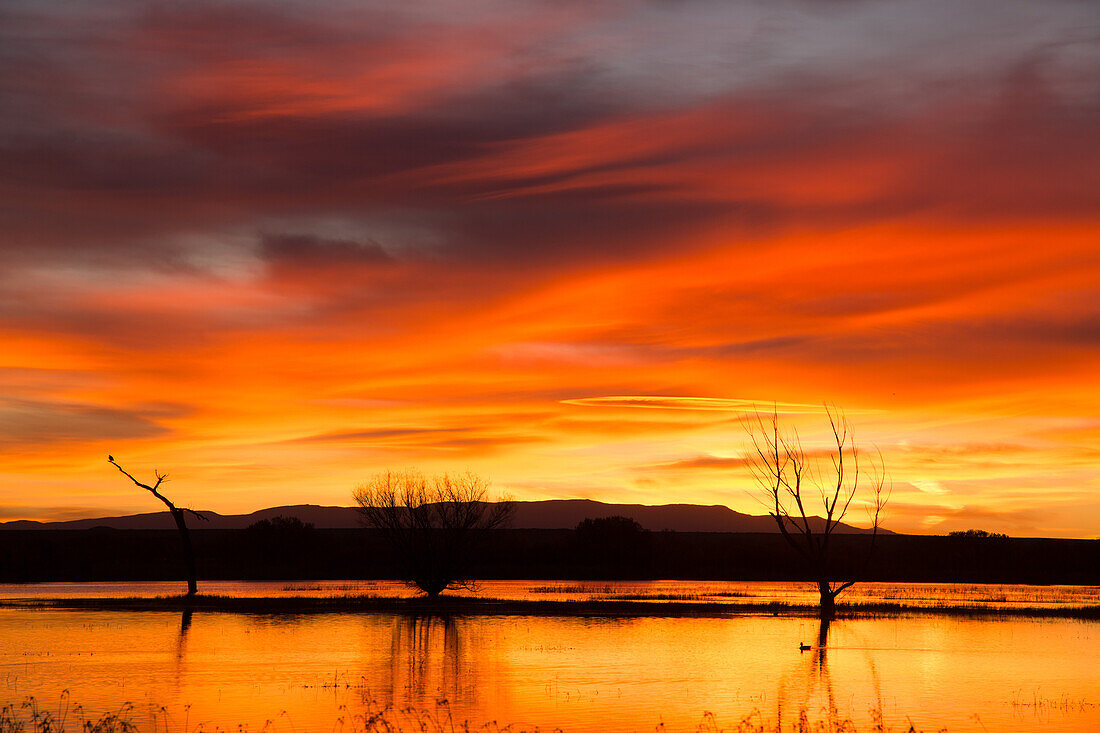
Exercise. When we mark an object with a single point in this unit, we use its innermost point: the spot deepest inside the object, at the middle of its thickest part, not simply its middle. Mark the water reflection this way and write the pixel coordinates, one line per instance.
(185, 626)
(427, 661)
(181, 639)
(578, 674)
(810, 688)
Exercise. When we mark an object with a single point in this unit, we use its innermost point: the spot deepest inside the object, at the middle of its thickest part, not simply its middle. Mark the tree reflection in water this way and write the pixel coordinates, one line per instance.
(181, 648)
(428, 664)
(810, 692)
(185, 625)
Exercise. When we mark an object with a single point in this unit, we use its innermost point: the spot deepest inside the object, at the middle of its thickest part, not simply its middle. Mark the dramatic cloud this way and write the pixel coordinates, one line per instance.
(552, 241)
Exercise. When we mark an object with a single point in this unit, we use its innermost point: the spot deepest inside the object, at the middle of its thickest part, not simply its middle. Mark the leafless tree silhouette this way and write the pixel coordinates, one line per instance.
(792, 481)
(178, 514)
(437, 526)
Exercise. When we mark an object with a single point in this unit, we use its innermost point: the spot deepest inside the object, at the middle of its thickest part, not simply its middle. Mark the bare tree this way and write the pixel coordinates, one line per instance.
(437, 526)
(178, 514)
(794, 482)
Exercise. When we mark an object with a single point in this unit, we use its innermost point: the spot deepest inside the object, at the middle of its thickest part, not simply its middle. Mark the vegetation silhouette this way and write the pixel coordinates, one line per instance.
(29, 717)
(616, 546)
(977, 534)
(291, 526)
(374, 716)
(33, 555)
(790, 478)
(283, 545)
(438, 526)
(178, 514)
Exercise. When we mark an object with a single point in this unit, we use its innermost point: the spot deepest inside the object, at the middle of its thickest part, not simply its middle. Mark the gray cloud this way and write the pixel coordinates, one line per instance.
(50, 513)
(115, 122)
(32, 422)
(302, 250)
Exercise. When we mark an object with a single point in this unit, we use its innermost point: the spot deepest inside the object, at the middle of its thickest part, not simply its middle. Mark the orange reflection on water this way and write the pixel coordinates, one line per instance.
(307, 672)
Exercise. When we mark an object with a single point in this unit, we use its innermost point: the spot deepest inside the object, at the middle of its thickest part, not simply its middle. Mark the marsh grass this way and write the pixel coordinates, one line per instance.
(686, 597)
(608, 592)
(615, 606)
(584, 588)
(375, 717)
(755, 722)
(29, 717)
(345, 588)
(1040, 704)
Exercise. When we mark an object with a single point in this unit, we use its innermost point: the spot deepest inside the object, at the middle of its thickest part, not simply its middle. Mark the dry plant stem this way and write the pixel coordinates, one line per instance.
(178, 514)
(376, 717)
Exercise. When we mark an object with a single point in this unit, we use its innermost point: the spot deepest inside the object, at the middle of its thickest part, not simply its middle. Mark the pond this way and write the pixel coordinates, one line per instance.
(318, 672)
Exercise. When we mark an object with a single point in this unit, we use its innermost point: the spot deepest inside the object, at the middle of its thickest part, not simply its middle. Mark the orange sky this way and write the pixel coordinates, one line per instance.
(271, 250)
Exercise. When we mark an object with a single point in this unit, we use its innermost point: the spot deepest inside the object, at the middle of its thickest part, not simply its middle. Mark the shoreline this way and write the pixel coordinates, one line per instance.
(466, 606)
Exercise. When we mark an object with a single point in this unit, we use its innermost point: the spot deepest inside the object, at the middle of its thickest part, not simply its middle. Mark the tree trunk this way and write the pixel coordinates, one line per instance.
(188, 553)
(827, 604)
(181, 524)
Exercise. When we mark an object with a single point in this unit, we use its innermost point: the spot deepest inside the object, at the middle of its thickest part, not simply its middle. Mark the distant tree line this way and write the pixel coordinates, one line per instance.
(337, 554)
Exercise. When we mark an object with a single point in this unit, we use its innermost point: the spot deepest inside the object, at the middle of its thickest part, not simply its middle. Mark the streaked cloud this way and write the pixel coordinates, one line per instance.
(723, 463)
(692, 403)
(27, 424)
(931, 487)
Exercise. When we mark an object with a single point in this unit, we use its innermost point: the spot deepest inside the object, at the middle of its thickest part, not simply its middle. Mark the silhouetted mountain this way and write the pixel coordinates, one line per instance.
(552, 514)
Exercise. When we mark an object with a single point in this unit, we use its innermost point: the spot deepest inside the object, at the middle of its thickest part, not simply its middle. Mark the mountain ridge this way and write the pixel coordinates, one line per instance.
(545, 514)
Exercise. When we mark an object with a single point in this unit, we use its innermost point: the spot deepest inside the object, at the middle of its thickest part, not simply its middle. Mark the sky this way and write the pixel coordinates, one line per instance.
(272, 249)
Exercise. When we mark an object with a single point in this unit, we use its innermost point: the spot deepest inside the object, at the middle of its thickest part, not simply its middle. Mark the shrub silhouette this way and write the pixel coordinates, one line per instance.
(282, 540)
(438, 526)
(617, 546)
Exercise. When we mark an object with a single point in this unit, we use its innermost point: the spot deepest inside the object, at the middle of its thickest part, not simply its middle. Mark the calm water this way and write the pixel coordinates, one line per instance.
(305, 673)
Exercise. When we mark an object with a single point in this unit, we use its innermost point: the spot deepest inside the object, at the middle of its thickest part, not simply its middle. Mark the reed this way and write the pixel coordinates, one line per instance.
(670, 596)
(30, 717)
(589, 588)
(374, 717)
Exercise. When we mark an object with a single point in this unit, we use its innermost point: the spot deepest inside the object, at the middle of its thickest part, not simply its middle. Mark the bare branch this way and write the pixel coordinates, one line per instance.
(436, 526)
(783, 470)
(177, 514)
